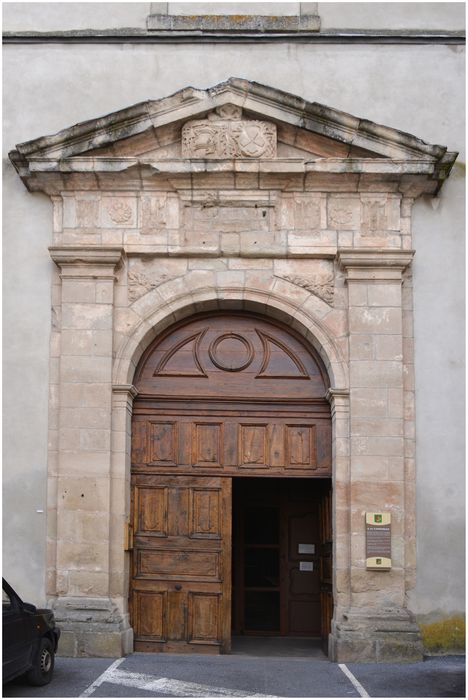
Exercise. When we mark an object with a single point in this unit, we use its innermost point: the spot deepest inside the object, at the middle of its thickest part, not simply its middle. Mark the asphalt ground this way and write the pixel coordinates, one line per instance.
(176, 675)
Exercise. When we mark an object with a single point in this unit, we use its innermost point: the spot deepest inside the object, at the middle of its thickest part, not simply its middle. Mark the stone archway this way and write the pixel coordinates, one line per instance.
(280, 310)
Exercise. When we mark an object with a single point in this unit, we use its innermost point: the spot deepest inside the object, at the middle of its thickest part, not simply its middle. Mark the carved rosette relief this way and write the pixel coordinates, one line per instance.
(119, 212)
(228, 137)
(344, 213)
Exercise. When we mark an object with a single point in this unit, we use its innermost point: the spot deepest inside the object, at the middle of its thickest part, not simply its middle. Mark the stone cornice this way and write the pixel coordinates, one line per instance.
(54, 176)
(86, 261)
(258, 100)
(374, 263)
(384, 166)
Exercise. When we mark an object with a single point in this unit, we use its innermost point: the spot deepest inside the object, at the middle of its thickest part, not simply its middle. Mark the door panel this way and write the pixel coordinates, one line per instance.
(181, 563)
(266, 440)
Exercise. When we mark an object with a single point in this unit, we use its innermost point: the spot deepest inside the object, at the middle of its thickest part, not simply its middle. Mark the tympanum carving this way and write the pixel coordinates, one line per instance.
(227, 135)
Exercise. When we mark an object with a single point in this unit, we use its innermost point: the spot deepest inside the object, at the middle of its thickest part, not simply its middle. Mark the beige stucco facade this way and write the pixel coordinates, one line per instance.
(311, 223)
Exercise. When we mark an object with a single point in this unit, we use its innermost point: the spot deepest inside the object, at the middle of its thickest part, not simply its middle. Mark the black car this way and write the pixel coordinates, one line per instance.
(30, 639)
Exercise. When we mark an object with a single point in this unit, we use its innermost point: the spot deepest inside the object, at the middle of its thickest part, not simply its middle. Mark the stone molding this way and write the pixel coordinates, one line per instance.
(54, 152)
(233, 23)
(338, 400)
(124, 394)
(126, 389)
(86, 261)
(374, 263)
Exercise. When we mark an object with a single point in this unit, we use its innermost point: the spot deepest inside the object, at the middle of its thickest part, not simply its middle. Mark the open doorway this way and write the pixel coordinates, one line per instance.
(281, 564)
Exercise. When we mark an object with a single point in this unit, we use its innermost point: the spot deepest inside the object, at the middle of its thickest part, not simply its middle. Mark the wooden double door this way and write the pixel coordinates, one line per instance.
(219, 555)
(226, 404)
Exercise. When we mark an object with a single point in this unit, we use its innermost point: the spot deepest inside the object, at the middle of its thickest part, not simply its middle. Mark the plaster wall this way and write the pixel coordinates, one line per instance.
(47, 16)
(61, 85)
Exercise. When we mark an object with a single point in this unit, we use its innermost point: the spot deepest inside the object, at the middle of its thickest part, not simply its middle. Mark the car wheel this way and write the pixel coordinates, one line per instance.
(43, 668)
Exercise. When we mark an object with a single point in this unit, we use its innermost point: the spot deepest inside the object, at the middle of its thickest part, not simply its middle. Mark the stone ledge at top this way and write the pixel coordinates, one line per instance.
(233, 23)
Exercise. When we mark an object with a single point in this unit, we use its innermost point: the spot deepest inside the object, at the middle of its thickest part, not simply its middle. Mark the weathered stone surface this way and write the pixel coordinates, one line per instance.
(228, 138)
(316, 276)
(388, 634)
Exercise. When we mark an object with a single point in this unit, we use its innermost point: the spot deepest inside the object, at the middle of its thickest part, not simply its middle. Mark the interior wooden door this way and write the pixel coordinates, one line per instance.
(302, 563)
(181, 563)
(277, 557)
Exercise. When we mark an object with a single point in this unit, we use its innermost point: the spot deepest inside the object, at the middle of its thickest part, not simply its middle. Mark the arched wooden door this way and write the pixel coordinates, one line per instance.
(221, 396)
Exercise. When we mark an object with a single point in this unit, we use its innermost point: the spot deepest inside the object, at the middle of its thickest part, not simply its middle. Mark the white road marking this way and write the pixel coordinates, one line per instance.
(101, 679)
(361, 690)
(143, 681)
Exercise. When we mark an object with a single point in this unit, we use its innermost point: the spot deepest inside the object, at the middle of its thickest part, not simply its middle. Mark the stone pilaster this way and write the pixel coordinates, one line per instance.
(339, 404)
(377, 626)
(90, 620)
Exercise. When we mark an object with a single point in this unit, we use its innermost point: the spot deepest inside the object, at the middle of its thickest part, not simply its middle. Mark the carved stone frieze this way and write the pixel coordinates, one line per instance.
(159, 211)
(87, 213)
(143, 277)
(321, 288)
(317, 276)
(301, 212)
(379, 213)
(139, 284)
(228, 211)
(228, 137)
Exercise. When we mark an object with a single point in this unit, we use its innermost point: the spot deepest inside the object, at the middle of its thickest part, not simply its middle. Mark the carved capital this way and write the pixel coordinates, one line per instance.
(338, 400)
(90, 261)
(123, 395)
(374, 263)
(125, 389)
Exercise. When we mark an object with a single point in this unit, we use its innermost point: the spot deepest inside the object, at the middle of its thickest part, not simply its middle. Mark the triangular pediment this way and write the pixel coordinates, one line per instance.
(235, 120)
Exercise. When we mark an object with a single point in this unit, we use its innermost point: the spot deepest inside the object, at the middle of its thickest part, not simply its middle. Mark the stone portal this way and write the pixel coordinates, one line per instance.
(237, 198)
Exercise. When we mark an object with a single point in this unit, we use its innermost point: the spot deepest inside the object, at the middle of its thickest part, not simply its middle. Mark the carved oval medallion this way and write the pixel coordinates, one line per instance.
(231, 352)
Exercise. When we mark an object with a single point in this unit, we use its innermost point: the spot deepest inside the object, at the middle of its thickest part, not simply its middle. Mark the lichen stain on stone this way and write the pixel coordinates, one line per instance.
(459, 169)
(445, 635)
